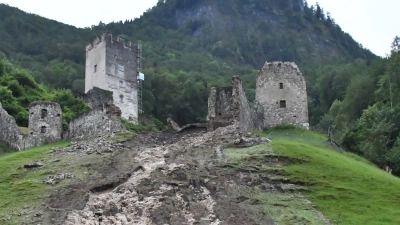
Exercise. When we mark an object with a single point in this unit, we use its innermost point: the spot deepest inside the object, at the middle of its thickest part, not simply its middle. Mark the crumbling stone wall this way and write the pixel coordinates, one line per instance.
(97, 96)
(11, 135)
(281, 90)
(228, 105)
(101, 120)
(220, 112)
(250, 116)
(45, 121)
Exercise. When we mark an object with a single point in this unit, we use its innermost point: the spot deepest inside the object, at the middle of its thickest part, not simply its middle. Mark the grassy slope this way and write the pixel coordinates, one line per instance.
(343, 186)
(18, 186)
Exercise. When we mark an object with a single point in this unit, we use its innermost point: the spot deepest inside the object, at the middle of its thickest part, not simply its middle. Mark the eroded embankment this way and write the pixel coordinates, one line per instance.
(192, 178)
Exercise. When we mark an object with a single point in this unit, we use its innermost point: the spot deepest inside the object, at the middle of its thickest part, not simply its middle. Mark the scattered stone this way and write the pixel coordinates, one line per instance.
(55, 179)
(33, 165)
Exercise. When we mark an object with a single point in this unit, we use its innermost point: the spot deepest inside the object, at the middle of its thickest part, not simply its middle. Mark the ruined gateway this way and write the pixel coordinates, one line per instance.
(281, 98)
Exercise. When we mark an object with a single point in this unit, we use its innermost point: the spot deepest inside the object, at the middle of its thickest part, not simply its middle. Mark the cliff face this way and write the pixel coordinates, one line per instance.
(255, 32)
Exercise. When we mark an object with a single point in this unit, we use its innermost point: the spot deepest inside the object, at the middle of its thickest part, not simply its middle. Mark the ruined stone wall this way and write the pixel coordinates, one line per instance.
(101, 120)
(45, 121)
(220, 103)
(11, 135)
(250, 115)
(229, 105)
(281, 90)
(97, 96)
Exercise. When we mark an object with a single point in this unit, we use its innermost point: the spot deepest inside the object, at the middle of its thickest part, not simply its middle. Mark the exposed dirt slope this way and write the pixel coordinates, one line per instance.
(168, 178)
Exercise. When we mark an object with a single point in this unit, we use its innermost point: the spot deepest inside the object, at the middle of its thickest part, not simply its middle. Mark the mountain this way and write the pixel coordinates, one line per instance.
(188, 46)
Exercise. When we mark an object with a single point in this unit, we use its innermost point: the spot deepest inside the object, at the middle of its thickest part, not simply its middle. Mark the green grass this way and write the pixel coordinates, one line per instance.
(121, 137)
(343, 186)
(289, 207)
(18, 186)
(5, 149)
(24, 130)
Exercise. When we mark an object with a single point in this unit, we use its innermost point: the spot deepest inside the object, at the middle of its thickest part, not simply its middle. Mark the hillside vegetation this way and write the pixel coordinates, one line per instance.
(189, 46)
(18, 89)
(345, 187)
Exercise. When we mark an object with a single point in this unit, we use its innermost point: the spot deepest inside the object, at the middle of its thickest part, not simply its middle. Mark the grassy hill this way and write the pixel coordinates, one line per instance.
(346, 188)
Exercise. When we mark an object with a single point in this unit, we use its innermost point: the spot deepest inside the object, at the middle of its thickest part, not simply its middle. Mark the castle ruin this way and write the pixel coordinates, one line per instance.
(112, 65)
(281, 90)
(45, 120)
(227, 105)
(281, 98)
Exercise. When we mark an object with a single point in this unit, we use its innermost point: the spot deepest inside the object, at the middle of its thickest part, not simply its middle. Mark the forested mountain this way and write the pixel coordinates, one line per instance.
(189, 46)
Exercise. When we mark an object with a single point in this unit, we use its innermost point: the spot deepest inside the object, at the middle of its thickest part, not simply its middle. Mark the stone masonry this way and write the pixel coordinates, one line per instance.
(113, 66)
(281, 90)
(11, 135)
(229, 105)
(45, 121)
(281, 98)
(102, 120)
(45, 125)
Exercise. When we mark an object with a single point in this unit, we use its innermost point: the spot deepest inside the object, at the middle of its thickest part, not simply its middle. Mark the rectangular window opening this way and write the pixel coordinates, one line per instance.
(43, 129)
(44, 113)
(95, 68)
(280, 85)
(283, 104)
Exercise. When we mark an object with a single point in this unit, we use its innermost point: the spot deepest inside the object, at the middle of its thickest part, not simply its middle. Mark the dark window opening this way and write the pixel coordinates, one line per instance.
(121, 98)
(95, 68)
(31, 113)
(220, 114)
(43, 129)
(58, 114)
(280, 85)
(283, 104)
(31, 133)
(44, 113)
(279, 64)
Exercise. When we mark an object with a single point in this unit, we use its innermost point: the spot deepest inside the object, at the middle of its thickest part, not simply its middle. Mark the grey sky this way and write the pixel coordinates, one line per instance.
(370, 22)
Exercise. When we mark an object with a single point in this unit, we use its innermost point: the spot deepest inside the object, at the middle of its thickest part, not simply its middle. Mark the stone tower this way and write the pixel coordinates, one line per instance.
(45, 121)
(281, 90)
(113, 66)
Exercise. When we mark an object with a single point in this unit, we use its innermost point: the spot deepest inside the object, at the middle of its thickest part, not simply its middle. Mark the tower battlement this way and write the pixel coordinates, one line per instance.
(113, 66)
(107, 38)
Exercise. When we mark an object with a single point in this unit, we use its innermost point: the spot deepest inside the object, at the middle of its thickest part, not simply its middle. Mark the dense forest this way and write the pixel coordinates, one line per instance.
(351, 91)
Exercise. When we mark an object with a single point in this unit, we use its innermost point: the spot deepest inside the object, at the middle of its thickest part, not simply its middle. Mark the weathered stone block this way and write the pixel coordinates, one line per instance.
(281, 90)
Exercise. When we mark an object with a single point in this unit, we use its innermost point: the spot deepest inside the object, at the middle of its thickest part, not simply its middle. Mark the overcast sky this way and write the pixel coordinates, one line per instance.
(372, 23)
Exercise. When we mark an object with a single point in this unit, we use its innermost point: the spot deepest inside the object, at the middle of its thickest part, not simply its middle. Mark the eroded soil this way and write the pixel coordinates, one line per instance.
(169, 178)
